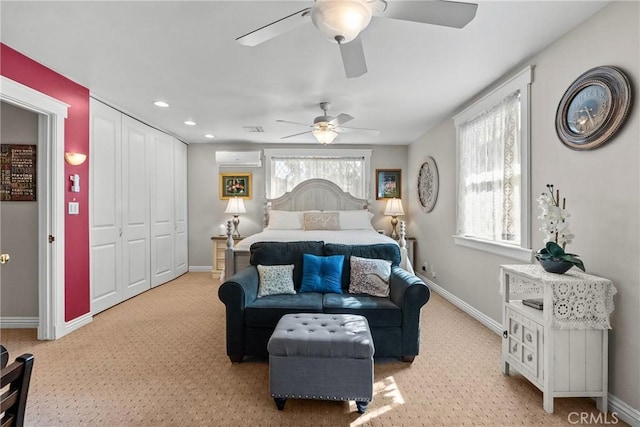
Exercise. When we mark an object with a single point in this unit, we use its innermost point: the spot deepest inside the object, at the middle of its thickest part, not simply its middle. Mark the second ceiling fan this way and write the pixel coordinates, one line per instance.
(325, 128)
(341, 21)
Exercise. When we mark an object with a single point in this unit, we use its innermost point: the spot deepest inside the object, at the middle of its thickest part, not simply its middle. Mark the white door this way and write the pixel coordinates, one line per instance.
(180, 207)
(104, 200)
(162, 223)
(136, 269)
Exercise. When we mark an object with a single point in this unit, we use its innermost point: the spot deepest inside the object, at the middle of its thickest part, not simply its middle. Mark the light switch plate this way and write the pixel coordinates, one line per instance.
(74, 208)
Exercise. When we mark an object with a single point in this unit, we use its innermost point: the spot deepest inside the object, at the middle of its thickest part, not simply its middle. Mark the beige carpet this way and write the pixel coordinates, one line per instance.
(159, 360)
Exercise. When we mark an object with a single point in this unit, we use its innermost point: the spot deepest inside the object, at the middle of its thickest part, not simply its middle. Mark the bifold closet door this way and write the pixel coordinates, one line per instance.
(105, 205)
(162, 209)
(136, 266)
(180, 204)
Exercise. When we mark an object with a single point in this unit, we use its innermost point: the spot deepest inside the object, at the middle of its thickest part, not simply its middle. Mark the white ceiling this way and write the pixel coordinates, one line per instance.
(184, 52)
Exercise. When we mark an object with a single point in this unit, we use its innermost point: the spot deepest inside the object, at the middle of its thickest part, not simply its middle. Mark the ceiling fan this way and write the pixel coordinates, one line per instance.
(326, 128)
(341, 21)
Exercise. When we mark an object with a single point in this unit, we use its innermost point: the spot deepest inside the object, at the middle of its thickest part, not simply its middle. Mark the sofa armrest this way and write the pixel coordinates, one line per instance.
(236, 293)
(410, 293)
(402, 290)
(241, 288)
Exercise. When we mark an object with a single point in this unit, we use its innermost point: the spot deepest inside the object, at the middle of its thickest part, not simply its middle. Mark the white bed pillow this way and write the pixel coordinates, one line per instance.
(285, 220)
(356, 220)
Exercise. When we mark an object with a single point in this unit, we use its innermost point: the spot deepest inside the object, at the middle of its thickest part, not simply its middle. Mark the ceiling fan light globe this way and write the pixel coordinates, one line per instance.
(341, 20)
(324, 136)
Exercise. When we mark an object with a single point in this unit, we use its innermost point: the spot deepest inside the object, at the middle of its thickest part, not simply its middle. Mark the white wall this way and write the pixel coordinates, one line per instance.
(601, 187)
(206, 210)
(19, 233)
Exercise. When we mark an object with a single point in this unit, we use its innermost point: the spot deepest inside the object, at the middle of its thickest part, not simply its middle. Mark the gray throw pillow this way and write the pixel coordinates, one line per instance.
(275, 280)
(369, 276)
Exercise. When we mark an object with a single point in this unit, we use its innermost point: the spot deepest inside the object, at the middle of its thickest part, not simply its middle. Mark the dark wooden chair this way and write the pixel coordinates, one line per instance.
(13, 402)
(4, 356)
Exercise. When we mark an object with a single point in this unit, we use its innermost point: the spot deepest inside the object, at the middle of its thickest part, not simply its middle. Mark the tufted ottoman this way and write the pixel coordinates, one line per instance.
(321, 356)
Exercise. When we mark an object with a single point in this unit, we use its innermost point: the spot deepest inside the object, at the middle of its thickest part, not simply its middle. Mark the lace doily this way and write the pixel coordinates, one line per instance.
(580, 300)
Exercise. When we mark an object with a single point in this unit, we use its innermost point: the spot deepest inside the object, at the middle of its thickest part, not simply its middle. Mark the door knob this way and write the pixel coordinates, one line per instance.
(4, 258)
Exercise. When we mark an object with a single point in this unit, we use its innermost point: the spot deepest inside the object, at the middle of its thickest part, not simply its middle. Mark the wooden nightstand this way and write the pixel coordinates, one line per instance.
(219, 245)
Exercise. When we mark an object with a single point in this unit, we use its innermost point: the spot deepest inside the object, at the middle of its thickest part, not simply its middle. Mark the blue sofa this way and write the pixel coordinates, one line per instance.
(394, 320)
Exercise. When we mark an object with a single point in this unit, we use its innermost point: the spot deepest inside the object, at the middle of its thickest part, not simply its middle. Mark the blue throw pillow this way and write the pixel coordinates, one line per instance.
(322, 273)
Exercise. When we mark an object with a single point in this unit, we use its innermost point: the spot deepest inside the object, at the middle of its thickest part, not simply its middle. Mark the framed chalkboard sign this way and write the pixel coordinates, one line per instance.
(17, 172)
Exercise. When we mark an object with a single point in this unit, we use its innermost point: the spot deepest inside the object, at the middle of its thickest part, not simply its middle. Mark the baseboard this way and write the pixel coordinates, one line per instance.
(622, 410)
(200, 269)
(462, 305)
(75, 324)
(19, 322)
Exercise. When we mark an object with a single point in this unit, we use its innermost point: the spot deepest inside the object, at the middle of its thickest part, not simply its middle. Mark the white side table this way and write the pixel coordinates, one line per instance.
(563, 349)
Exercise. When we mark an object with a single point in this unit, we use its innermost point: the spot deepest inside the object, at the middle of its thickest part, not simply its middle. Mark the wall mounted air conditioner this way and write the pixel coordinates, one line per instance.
(230, 159)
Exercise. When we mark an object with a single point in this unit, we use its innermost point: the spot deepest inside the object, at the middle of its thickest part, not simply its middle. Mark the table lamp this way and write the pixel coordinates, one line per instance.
(235, 207)
(394, 208)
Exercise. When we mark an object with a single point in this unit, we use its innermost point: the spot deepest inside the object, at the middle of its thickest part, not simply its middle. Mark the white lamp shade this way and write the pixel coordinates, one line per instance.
(344, 18)
(324, 136)
(235, 206)
(394, 207)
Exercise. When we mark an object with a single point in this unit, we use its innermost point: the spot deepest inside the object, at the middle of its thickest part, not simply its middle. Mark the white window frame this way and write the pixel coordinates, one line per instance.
(316, 152)
(522, 82)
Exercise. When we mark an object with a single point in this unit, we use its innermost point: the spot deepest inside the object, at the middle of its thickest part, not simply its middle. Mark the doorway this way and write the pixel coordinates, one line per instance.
(19, 218)
(51, 115)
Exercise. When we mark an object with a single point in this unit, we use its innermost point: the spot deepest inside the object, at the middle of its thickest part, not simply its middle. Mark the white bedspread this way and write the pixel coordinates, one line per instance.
(347, 237)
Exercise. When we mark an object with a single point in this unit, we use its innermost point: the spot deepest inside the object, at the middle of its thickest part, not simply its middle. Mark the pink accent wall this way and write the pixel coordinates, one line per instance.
(17, 67)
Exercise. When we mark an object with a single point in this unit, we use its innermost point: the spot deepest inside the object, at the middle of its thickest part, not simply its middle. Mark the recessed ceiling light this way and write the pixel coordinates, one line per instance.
(161, 104)
(190, 123)
(208, 135)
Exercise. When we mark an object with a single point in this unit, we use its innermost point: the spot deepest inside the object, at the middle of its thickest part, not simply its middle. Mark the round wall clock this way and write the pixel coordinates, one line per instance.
(593, 108)
(428, 184)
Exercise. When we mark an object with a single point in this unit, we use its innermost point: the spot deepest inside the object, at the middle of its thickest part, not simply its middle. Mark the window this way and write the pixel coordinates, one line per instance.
(349, 169)
(493, 184)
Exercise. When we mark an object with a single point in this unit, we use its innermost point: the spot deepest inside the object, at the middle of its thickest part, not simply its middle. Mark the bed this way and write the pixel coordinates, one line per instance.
(297, 215)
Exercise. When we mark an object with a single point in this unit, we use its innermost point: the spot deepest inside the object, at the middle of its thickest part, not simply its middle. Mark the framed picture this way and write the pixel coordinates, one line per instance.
(388, 183)
(235, 185)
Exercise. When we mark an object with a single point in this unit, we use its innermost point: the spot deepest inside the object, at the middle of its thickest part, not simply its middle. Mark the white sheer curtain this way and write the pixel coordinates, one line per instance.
(489, 183)
(347, 172)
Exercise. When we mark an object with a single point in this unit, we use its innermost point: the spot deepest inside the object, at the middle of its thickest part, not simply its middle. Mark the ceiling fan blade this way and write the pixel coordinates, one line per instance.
(295, 134)
(370, 132)
(276, 28)
(446, 13)
(340, 119)
(353, 58)
(294, 123)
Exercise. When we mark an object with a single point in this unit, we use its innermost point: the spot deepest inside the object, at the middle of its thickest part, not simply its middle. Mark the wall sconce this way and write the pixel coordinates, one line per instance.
(75, 159)
(394, 208)
(235, 207)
